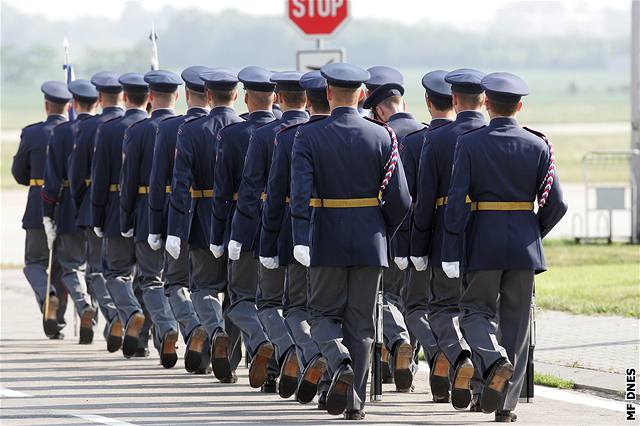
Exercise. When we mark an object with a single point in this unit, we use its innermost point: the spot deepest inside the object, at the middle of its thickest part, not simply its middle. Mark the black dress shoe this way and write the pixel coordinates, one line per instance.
(288, 378)
(202, 371)
(270, 385)
(354, 414)
(57, 336)
(220, 355)
(495, 385)
(322, 401)
(232, 378)
(461, 386)
(308, 385)
(168, 355)
(337, 394)
(439, 378)
(141, 353)
(132, 334)
(86, 325)
(195, 348)
(402, 360)
(474, 407)
(259, 364)
(114, 338)
(50, 320)
(506, 416)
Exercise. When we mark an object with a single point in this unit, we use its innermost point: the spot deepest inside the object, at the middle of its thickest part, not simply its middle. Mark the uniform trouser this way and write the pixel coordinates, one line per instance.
(176, 290)
(96, 283)
(495, 310)
(243, 285)
(70, 250)
(234, 332)
(208, 280)
(269, 298)
(394, 327)
(416, 296)
(118, 262)
(444, 314)
(296, 314)
(341, 306)
(149, 270)
(36, 264)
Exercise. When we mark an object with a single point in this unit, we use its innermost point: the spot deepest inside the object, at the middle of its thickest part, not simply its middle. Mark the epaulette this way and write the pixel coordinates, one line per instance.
(112, 119)
(535, 132)
(417, 131)
(473, 130)
(373, 120)
(171, 117)
(137, 122)
(245, 115)
(31, 125)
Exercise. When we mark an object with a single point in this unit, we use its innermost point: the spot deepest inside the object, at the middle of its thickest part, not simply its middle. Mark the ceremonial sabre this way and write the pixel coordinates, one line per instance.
(68, 74)
(153, 36)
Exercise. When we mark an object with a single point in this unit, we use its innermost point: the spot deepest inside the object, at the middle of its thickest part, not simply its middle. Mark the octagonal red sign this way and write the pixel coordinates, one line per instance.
(318, 17)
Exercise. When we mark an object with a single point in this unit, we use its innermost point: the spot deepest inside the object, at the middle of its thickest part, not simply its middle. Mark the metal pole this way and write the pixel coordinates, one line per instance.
(319, 43)
(635, 120)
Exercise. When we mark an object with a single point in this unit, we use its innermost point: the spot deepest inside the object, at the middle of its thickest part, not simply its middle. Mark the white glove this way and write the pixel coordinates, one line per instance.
(234, 250)
(217, 251)
(402, 262)
(98, 231)
(420, 263)
(155, 241)
(270, 262)
(50, 230)
(452, 269)
(173, 246)
(127, 234)
(301, 253)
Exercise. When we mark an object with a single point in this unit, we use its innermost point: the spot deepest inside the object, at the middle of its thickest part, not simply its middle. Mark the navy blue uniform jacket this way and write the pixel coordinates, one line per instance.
(195, 159)
(500, 162)
(80, 162)
(57, 202)
(344, 157)
(434, 176)
(105, 171)
(137, 158)
(29, 164)
(233, 142)
(245, 227)
(164, 153)
(410, 149)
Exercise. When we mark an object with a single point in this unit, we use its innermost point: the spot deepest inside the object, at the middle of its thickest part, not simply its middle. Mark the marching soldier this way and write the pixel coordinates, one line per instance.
(117, 250)
(79, 171)
(276, 244)
(58, 209)
(434, 175)
(28, 169)
(245, 227)
(233, 142)
(502, 168)
(417, 283)
(386, 103)
(348, 170)
(137, 157)
(177, 270)
(190, 216)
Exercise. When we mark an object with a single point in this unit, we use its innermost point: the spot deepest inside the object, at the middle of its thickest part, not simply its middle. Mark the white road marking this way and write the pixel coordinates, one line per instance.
(102, 420)
(10, 393)
(578, 398)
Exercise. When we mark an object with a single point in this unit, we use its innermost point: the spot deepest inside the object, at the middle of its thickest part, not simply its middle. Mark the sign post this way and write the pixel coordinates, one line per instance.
(318, 19)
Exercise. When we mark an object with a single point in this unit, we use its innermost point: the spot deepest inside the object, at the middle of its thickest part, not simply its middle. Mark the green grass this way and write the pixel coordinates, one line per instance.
(590, 279)
(552, 381)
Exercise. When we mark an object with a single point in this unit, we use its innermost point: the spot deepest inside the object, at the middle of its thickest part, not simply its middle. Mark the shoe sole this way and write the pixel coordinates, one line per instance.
(308, 386)
(258, 367)
(50, 324)
(439, 379)
(461, 389)
(168, 355)
(114, 339)
(402, 367)
(86, 327)
(220, 357)
(193, 352)
(132, 335)
(337, 395)
(493, 390)
(288, 381)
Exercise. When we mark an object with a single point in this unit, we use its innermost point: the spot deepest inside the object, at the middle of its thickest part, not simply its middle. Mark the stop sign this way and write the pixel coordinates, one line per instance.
(318, 17)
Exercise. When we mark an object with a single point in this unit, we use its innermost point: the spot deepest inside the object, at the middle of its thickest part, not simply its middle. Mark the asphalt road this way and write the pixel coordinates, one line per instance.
(45, 382)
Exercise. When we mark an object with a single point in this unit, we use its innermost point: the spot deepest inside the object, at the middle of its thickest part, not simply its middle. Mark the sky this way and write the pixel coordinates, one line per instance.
(458, 12)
